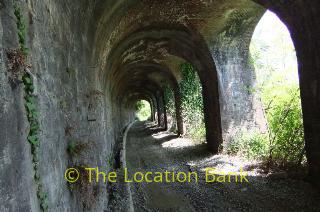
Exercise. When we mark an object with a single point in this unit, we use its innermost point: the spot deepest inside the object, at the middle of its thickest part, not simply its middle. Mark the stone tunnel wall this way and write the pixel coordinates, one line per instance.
(240, 105)
(16, 177)
(72, 104)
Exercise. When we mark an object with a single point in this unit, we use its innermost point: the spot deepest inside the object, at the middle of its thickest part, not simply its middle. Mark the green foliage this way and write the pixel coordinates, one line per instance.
(198, 131)
(250, 144)
(31, 110)
(143, 110)
(273, 57)
(170, 107)
(192, 102)
(43, 196)
(75, 148)
(138, 105)
(33, 135)
(71, 147)
(22, 30)
(285, 125)
(169, 101)
(280, 95)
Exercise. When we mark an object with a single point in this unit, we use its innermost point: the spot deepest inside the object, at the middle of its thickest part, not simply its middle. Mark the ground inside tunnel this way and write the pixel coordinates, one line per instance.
(149, 150)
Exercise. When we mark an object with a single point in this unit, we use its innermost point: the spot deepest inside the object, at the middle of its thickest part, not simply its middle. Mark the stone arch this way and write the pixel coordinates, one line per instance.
(138, 97)
(181, 43)
(148, 69)
(152, 89)
(135, 95)
(301, 19)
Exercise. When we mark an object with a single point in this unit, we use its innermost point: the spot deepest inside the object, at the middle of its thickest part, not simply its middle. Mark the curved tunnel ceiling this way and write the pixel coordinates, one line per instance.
(143, 74)
(150, 39)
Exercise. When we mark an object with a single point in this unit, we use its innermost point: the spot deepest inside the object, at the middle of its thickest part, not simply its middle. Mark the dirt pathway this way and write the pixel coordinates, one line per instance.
(149, 150)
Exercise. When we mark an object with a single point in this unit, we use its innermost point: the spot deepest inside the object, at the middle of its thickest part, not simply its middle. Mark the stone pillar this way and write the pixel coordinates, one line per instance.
(165, 120)
(178, 105)
(306, 39)
(161, 110)
(241, 108)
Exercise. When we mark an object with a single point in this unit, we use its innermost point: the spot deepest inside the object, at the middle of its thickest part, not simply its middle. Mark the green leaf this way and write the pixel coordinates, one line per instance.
(33, 140)
(30, 106)
(27, 80)
(34, 127)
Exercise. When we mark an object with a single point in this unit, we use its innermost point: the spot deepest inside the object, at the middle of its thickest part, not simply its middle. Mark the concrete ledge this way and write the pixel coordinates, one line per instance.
(124, 165)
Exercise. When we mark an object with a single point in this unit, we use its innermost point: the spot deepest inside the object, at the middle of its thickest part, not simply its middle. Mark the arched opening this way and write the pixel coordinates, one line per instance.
(143, 110)
(277, 85)
(130, 68)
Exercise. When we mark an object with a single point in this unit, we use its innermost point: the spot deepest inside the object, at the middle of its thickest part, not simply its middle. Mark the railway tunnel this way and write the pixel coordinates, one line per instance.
(89, 62)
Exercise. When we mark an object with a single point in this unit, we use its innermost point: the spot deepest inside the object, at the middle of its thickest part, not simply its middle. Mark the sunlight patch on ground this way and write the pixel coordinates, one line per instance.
(225, 164)
(222, 164)
(178, 143)
(173, 142)
(161, 135)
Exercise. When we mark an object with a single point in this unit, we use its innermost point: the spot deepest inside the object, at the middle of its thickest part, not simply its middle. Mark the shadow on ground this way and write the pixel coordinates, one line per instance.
(150, 148)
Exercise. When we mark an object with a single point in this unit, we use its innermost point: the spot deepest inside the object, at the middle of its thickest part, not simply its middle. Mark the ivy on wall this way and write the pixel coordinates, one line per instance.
(30, 106)
(169, 100)
(192, 102)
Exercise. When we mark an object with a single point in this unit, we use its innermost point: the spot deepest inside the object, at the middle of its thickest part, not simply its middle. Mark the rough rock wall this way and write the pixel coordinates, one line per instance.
(18, 191)
(72, 104)
(240, 105)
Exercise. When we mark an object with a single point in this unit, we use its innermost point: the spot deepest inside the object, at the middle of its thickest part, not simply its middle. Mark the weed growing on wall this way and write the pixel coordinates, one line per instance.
(31, 108)
(169, 100)
(76, 147)
(22, 30)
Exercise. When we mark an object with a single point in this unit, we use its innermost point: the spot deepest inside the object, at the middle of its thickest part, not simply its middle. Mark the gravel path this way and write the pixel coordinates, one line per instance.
(149, 151)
